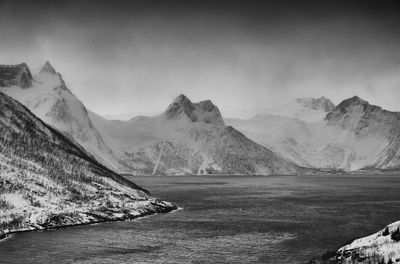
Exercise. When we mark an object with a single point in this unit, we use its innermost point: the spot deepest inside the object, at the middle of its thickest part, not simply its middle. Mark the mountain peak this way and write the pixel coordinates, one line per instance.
(19, 75)
(355, 100)
(47, 67)
(203, 111)
(180, 105)
(350, 112)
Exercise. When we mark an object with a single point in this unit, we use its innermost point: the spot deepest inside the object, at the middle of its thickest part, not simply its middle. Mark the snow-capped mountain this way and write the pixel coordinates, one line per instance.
(188, 138)
(381, 247)
(46, 181)
(374, 133)
(47, 96)
(351, 136)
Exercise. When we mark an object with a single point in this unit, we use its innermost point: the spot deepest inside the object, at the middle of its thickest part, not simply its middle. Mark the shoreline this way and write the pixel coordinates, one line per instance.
(4, 234)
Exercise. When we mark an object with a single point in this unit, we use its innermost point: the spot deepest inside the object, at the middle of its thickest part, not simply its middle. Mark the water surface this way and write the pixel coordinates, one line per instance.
(226, 219)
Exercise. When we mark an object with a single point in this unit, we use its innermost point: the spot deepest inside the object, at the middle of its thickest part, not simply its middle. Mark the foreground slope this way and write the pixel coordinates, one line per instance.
(379, 248)
(47, 96)
(188, 138)
(46, 181)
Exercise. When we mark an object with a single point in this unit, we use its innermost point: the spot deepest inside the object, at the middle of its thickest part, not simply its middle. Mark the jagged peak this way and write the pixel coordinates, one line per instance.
(355, 100)
(203, 111)
(181, 104)
(47, 67)
(18, 74)
(182, 99)
(207, 105)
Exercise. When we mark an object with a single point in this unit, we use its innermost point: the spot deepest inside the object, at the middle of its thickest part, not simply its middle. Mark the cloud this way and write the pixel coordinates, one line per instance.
(136, 56)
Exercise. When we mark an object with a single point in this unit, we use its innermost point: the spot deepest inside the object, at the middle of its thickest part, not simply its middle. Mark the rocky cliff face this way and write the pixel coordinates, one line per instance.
(46, 181)
(18, 75)
(204, 111)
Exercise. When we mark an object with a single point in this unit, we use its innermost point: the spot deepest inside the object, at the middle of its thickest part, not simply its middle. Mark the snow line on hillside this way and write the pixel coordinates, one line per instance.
(154, 207)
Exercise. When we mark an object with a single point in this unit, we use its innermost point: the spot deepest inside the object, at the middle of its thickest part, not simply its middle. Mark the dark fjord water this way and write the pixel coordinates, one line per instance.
(226, 220)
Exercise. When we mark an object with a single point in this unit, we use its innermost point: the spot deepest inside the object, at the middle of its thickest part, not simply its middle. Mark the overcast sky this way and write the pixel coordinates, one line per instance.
(135, 57)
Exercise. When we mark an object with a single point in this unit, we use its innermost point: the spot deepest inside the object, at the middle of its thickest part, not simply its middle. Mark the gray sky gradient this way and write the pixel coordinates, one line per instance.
(136, 56)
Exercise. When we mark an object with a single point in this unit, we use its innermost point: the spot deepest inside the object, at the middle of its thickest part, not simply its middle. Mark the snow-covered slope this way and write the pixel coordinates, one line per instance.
(46, 181)
(381, 247)
(188, 138)
(354, 135)
(47, 96)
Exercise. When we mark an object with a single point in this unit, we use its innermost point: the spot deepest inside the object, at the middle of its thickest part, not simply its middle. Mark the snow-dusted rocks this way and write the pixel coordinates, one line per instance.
(15, 75)
(47, 67)
(46, 181)
(204, 111)
(381, 247)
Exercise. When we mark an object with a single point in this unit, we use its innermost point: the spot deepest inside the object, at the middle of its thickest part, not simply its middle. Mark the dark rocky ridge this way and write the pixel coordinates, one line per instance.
(47, 67)
(15, 75)
(203, 111)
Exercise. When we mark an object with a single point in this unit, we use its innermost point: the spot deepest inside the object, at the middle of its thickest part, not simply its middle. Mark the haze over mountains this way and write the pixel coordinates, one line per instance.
(193, 138)
(353, 135)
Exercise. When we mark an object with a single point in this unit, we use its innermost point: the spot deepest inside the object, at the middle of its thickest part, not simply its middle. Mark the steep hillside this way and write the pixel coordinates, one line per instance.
(188, 138)
(47, 96)
(46, 181)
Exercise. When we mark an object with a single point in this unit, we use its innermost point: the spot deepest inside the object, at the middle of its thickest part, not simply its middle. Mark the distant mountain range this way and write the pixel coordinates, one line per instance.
(193, 138)
(188, 138)
(353, 135)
